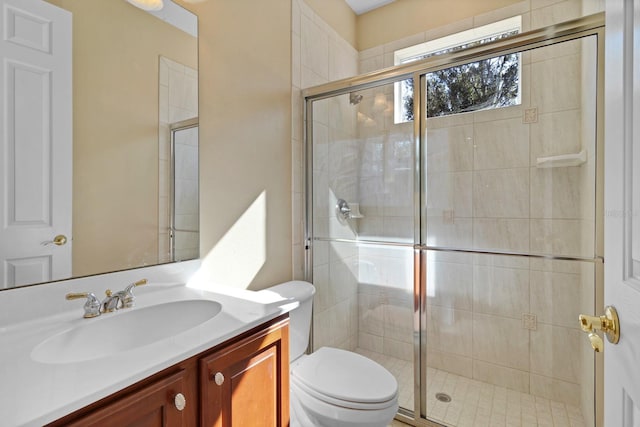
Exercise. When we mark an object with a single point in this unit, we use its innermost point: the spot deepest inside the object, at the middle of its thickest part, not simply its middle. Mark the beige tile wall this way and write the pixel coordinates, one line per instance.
(320, 55)
(481, 166)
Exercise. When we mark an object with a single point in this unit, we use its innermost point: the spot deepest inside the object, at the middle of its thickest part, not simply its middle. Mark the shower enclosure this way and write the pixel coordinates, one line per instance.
(455, 237)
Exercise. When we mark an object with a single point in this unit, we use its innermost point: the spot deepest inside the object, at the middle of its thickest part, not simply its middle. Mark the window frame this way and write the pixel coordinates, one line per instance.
(418, 51)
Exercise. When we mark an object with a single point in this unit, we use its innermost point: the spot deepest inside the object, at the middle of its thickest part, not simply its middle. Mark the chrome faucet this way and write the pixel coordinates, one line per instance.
(127, 297)
(110, 303)
(91, 307)
(113, 301)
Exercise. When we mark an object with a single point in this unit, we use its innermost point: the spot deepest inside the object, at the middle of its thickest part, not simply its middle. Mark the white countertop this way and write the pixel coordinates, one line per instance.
(35, 393)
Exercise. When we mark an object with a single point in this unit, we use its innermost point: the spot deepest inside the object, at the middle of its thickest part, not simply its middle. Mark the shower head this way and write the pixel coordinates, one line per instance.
(354, 98)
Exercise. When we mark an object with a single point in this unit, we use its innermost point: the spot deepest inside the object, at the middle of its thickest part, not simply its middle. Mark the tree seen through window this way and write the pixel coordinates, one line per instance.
(480, 85)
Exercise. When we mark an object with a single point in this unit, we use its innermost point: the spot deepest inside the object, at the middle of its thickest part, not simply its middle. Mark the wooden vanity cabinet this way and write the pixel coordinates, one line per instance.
(247, 384)
(243, 382)
(152, 405)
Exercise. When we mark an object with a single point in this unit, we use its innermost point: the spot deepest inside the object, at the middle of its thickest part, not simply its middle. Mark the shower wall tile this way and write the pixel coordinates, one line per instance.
(371, 314)
(372, 154)
(515, 9)
(556, 266)
(501, 193)
(476, 162)
(501, 341)
(450, 330)
(398, 228)
(513, 379)
(558, 193)
(389, 270)
(372, 195)
(322, 299)
(556, 134)
(321, 149)
(500, 291)
(556, 51)
(320, 112)
(448, 191)
(404, 42)
(562, 237)
(343, 160)
(553, 298)
(444, 233)
(398, 196)
(505, 113)
(341, 58)
(371, 227)
(555, 84)
(297, 122)
(546, 13)
(501, 261)
(341, 251)
(314, 47)
(450, 285)
(450, 149)
(450, 362)
(398, 321)
(553, 352)
(371, 342)
(501, 144)
(555, 389)
(508, 235)
(398, 349)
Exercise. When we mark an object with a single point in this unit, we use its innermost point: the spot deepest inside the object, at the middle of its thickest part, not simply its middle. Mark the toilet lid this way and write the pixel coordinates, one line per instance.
(346, 376)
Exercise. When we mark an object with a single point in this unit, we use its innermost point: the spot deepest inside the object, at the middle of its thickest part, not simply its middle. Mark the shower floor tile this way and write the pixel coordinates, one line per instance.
(477, 404)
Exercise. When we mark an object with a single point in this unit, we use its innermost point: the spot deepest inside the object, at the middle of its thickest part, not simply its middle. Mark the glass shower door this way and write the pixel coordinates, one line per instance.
(363, 227)
(511, 247)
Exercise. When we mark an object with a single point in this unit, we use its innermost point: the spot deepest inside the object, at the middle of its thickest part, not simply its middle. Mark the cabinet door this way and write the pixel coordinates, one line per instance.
(247, 383)
(151, 406)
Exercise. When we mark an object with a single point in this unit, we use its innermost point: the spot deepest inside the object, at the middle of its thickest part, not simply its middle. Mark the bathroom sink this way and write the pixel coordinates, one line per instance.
(124, 330)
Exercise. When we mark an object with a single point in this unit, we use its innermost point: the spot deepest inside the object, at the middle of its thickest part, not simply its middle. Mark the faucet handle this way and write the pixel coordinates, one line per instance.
(91, 306)
(128, 299)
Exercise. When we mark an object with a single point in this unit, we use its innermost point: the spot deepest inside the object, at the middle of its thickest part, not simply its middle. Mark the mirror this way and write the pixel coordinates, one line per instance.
(101, 158)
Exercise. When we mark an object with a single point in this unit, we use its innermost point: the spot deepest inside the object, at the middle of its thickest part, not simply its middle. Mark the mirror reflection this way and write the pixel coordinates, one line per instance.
(99, 156)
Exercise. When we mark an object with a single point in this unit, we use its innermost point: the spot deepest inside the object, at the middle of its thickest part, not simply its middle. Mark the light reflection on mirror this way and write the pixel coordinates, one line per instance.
(134, 78)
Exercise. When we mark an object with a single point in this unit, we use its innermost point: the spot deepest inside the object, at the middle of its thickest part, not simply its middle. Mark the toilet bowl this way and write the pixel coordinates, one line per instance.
(333, 387)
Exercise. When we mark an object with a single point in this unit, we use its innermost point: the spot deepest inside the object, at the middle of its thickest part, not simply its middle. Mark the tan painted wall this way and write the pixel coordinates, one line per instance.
(245, 141)
(339, 16)
(404, 18)
(115, 131)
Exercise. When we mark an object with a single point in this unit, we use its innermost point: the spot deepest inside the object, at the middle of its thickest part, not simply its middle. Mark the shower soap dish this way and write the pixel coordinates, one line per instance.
(562, 160)
(345, 211)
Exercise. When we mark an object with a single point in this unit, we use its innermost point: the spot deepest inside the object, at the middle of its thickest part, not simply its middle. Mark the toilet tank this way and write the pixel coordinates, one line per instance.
(299, 318)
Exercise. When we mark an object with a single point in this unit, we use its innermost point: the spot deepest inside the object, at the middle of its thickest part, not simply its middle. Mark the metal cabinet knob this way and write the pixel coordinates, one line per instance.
(180, 401)
(218, 378)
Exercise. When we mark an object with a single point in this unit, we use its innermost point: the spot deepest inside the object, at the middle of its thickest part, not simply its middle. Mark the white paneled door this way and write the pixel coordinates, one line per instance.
(622, 210)
(35, 142)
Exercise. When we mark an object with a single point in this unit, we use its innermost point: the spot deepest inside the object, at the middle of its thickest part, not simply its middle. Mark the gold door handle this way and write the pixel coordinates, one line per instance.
(608, 323)
(59, 240)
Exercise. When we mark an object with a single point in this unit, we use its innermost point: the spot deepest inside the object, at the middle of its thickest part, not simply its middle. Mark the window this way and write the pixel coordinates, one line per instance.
(486, 84)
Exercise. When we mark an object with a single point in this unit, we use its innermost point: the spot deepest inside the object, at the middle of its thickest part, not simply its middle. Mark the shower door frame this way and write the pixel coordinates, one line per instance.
(592, 25)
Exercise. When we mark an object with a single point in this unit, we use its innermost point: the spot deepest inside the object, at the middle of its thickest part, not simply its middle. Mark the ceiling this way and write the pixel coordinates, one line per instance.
(363, 6)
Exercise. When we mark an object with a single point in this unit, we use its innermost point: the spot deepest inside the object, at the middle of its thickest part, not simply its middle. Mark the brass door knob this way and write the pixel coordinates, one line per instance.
(608, 323)
(59, 240)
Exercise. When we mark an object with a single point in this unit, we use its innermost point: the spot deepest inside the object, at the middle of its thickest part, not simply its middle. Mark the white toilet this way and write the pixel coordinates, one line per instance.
(333, 387)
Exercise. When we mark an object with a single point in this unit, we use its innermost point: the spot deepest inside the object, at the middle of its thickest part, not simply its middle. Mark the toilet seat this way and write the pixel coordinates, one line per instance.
(345, 379)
